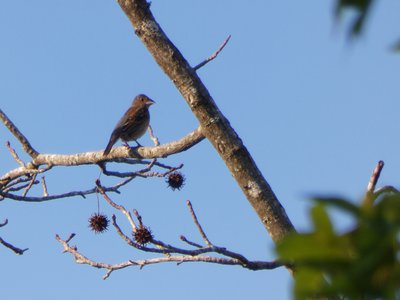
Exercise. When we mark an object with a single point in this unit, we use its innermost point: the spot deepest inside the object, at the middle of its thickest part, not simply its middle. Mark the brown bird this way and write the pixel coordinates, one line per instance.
(133, 123)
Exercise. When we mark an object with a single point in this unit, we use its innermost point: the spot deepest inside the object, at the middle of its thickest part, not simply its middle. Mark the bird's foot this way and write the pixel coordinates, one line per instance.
(125, 144)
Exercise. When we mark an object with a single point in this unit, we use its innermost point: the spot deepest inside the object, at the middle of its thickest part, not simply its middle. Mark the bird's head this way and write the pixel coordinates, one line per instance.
(143, 100)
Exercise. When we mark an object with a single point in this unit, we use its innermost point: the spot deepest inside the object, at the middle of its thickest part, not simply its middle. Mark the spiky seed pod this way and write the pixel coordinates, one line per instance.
(143, 235)
(176, 180)
(98, 222)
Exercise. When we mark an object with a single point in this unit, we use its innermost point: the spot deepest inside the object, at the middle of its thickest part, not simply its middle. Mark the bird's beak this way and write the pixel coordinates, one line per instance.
(149, 102)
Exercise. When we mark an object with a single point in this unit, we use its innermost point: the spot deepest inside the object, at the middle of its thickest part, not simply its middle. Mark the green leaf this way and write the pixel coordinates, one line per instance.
(360, 264)
(308, 282)
(321, 219)
(396, 46)
(339, 203)
(362, 8)
(322, 245)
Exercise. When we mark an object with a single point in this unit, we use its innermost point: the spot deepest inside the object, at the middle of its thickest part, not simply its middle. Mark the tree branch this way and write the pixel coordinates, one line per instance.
(116, 155)
(375, 177)
(370, 195)
(16, 250)
(170, 253)
(20, 137)
(214, 55)
(214, 125)
(81, 259)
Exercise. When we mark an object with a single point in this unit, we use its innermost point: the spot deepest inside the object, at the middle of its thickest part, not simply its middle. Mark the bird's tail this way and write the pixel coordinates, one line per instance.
(112, 141)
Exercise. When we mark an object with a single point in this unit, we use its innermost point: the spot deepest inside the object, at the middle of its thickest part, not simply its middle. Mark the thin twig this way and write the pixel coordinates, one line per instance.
(5, 222)
(184, 239)
(370, 195)
(143, 173)
(5, 193)
(70, 237)
(45, 193)
(14, 154)
(47, 198)
(122, 183)
(196, 221)
(374, 177)
(115, 205)
(31, 183)
(16, 250)
(15, 182)
(15, 188)
(153, 137)
(386, 189)
(214, 55)
(138, 217)
(131, 161)
(149, 166)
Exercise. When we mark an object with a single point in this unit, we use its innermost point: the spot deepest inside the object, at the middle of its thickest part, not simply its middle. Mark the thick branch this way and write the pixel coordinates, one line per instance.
(116, 154)
(20, 137)
(213, 123)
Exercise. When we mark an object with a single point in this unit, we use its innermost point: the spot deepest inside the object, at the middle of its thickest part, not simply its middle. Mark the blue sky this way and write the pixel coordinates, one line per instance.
(316, 113)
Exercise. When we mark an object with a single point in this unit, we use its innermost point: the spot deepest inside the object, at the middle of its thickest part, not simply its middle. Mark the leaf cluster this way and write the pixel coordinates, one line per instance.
(361, 263)
(361, 9)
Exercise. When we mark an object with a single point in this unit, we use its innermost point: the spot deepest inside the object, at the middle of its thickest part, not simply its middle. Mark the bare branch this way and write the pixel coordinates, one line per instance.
(196, 221)
(4, 223)
(128, 240)
(16, 250)
(375, 176)
(20, 137)
(6, 192)
(81, 259)
(8, 245)
(45, 193)
(13, 185)
(14, 154)
(214, 55)
(386, 189)
(170, 253)
(16, 187)
(31, 183)
(46, 198)
(370, 195)
(122, 209)
(140, 173)
(88, 158)
(193, 244)
(70, 237)
(153, 137)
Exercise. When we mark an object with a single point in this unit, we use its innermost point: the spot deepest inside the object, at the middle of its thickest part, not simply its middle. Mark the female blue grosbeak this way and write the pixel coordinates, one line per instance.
(133, 123)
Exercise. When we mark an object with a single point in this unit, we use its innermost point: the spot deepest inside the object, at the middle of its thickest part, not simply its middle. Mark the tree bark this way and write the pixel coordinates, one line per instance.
(214, 125)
